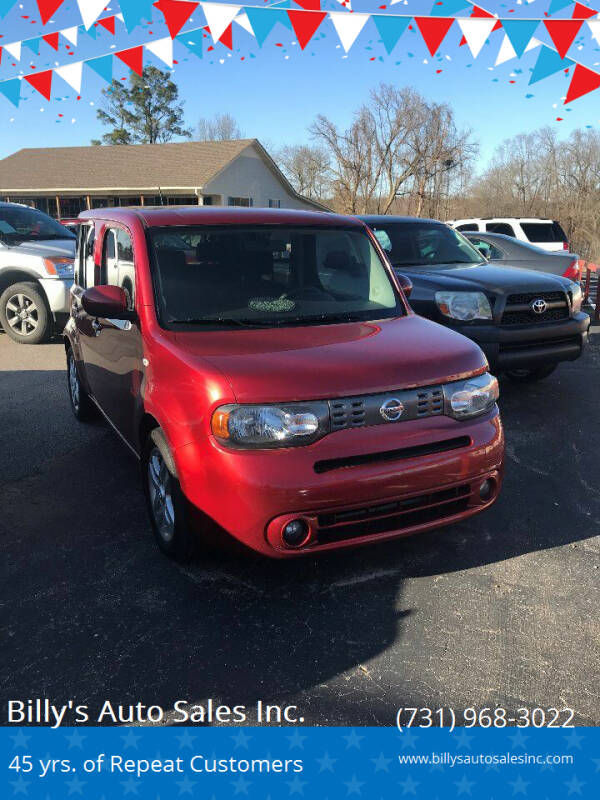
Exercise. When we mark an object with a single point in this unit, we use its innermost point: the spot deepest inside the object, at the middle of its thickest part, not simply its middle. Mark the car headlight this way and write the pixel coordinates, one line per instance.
(268, 426)
(576, 296)
(464, 399)
(59, 267)
(464, 305)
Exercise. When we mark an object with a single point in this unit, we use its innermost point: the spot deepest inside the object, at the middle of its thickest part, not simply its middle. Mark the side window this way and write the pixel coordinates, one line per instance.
(86, 263)
(500, 227)
(117, 262)
(468, 226)
(490, 251)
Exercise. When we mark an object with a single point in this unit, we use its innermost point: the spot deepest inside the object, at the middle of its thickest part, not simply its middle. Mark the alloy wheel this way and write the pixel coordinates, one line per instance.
(161, 499)
(74, 383)
(22, 314)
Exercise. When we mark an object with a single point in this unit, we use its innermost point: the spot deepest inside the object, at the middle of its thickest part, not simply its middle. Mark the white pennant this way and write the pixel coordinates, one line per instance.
(245, 22)
(14, 49)
(348, 26)
(595, 28)
(163, 49)
(476, 32)
(71, 35)
(71, 74)
(219, 17)
(90, 10)
(507, 51)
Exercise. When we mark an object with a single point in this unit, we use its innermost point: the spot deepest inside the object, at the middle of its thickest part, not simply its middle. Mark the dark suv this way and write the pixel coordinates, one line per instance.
(525, 322)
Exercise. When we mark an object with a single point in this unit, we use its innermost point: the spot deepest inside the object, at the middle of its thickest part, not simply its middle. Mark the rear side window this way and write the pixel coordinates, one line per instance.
(491, 252)
(500, 227)
(468, 226)
(543, 232)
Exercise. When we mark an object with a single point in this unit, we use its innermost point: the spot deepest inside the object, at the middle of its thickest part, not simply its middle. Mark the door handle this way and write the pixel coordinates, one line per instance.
(97, 326)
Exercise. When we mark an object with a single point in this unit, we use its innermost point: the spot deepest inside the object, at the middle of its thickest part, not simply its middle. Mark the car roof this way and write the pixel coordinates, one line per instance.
(371, 218)
(500, 219)
(159, 216)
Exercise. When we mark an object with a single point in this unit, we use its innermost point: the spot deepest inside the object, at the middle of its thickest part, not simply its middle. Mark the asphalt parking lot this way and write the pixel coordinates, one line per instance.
(499, 610)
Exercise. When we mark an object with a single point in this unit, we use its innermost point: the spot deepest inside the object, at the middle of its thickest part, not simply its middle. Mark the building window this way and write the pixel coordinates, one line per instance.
(71, 206)
(246, 202)
(274, 203)
(182, 201)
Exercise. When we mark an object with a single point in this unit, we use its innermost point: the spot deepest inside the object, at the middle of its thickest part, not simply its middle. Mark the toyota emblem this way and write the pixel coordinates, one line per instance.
(392, 409)
(539, 306)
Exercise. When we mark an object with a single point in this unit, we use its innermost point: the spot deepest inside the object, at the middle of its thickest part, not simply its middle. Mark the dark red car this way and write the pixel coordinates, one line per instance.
(276, 387)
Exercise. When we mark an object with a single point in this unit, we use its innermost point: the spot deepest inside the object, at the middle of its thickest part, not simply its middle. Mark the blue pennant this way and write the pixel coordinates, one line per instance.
(556, 5)
(91, 31)
(134, 11)
(102, 66)
(193, 42)
(263, 21)
(33, 44)
(390, 29)
(11, 90)
(448, 8)
(5, 6)
(548, 63)
(519, 32)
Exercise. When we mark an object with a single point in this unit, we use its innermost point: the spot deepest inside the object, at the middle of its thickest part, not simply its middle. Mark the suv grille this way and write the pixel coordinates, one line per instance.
(518, 309)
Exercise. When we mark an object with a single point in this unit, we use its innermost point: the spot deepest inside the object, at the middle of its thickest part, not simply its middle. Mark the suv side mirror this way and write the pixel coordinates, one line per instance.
(405, 284)
(108, 302)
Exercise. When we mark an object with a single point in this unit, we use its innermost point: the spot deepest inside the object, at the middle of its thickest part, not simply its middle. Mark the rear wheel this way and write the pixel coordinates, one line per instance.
(81, 405)
(167, 505)
(530, 375)
(24, 313)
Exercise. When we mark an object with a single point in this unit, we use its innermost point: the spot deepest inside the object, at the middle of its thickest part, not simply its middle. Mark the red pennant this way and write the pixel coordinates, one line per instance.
(310, 5)
(0, 55)
(583, 12)
(227, 37)
(108, 23)
(47, 8)
(52, 40)
(433, 30)
(134, 58)
(42, 81)
(562, 32)
(584, 80)
(176, 13)
(305, 25)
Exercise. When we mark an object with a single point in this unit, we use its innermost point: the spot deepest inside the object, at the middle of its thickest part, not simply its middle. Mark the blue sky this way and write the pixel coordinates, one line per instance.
(276, 91)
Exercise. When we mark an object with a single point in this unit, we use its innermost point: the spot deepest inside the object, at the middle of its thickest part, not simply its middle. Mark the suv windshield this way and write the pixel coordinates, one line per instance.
(424, 244)
(544, 232)
(23, 224)
(268, 276)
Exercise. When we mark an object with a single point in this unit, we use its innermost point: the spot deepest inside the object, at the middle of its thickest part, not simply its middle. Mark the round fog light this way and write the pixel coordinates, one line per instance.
(295, 532)
(486, 489)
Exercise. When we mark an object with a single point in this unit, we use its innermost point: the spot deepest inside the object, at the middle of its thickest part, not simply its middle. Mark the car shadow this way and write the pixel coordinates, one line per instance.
(97, 613)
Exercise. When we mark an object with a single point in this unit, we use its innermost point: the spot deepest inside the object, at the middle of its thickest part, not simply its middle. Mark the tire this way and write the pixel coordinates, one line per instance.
(165, 501)
(24, 313)
(81, 405)
(530, 375)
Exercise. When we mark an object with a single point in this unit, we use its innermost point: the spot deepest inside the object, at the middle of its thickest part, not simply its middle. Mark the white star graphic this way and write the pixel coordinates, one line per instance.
(354, 786)
(296, 739)
(352, 739)
(20, 739)
(296, 785)
(519, 786)
(463, 739)
(185, 739)
(409, 786)
(241, 739)
(574, 739)
(20, 786)
(130, 739)
(518, 739)
(574, 786)
(75, 785)
(326, 762)
(75, 739)
(381, 763)
(186, 785)
(241, 785)
(464, 785)
(130, 786)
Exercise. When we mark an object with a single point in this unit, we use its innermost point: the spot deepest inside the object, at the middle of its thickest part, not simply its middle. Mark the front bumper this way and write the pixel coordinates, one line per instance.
(250, 494)
(58, 294)
(523, 346)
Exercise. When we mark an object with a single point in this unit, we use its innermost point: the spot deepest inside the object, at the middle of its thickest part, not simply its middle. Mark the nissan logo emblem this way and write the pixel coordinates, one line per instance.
(539, 306)
(391, 410)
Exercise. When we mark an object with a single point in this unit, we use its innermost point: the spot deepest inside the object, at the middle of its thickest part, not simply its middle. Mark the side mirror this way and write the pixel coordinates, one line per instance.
(405, 284)
(108, 302)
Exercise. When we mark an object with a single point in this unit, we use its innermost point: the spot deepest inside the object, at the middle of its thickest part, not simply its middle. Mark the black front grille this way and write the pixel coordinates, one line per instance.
(518, 309)
(430, 402)
(392, 515)
(365, 410)
(348, 413)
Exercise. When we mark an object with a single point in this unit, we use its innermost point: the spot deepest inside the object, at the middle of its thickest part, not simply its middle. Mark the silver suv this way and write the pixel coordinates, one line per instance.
(36, 273)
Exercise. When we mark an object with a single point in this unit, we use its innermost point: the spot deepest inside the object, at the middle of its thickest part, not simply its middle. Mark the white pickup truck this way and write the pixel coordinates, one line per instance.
(36, 273)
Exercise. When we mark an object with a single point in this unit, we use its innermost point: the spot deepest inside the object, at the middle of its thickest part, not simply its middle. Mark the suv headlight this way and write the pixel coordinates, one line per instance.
(576, 297)
(268, 426)
(464, 305)
(59, 267)
(472, 397)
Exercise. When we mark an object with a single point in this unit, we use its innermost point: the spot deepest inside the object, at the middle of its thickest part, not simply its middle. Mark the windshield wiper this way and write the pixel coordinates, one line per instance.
(220, 321)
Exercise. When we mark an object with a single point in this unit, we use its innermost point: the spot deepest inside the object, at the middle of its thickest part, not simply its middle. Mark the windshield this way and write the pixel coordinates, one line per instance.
(543, 232)
(424, 244)
(23, 224)
(268, 276)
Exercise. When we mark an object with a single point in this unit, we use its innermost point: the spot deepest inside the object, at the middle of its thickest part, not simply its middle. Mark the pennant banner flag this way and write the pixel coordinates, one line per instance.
(193, 42)
(584, 80)
(476, 31)
(176, 13)
(244, 22)
(71, 35)
(263, 20)
(14, 49)
(71, 74)
(108, 23)
(558, 5)
(133, 57)
(32, 44)
(563, 32)
(42, 82)
(133, 11)
(305, 25)
(162, 49)
(51, 39)
(433, 30)
(102, 66)
(507, 51)
(583, 12)
(519, 31)
(11, 90)
(219, 17)
(445, 8)
(47, 8)
(390, 29)
(348, 26)
(594, 25)
(90, 10)
(548, 63)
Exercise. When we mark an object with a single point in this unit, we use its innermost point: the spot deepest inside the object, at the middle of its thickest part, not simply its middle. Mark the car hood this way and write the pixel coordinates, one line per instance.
(484, 277)
(45, 248)
(325, 361)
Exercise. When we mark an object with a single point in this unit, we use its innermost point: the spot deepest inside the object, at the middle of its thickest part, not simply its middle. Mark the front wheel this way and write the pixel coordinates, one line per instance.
(530, 375)
(166, 503)
(81, 405)
(24, 313)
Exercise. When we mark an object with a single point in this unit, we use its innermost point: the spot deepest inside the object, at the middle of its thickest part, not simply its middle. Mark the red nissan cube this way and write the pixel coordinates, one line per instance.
(266, 369)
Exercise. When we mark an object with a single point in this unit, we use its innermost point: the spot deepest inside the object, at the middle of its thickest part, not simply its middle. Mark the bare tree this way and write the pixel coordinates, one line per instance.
(222, 127)
(308, 170)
